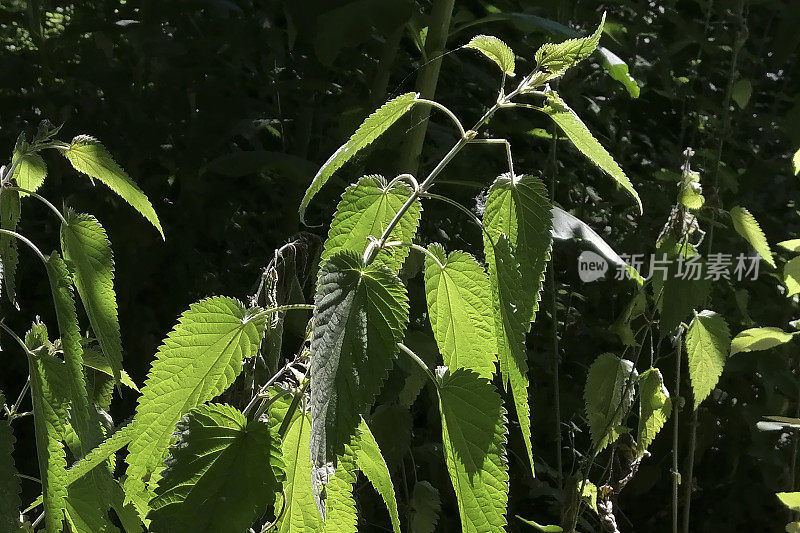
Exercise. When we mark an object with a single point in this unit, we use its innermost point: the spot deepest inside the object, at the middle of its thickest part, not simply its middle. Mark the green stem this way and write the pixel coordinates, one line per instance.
(42, 199)
(675, 433)
(409, 352)
(26, 241)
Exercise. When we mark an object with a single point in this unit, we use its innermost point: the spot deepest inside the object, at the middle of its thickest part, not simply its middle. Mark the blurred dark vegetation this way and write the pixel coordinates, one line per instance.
(223, 109)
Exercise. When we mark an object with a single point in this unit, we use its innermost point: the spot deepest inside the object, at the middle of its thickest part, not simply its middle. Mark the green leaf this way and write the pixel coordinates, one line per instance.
(300, 512)
(675, 296)
(796, 162)
(9, 481)
(426, 504)
(540, 527)
(10, 213)
(87, 155)
(370, 461)
(222, 458)
(618, 70)
(87, 248)
(609, 397)
(474, 436)
(741, 92)
(85, 422)
(793, 245)
(366, 209)
(30, 172)
(554, 59)
(577, 132)
(519, 207)
(588, 492)
(655, 406)
(375, 124)
(50, 398)
(94, 359)
(757, 339)
(496, 50)
(360, 315)
(790, 500)
(745, 225)
(707, 344)
(791, 276)
(510, 324)
(458, 295)
(199, 359)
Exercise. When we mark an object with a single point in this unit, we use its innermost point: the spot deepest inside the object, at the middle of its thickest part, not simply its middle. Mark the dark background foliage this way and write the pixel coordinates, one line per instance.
(222, 110)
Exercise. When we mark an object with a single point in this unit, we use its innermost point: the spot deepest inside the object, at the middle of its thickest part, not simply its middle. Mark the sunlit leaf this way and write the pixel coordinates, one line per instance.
(745, 225)
(757, 339)
(609, 395)
(496, 50)
(655, 406)
(707, 344)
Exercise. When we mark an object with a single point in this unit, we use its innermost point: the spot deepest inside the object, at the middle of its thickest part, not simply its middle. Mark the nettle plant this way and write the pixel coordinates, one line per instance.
(286, 454)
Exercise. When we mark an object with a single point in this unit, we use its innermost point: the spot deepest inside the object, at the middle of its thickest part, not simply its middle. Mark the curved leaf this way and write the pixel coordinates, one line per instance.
(791, 276)
(374, 125)
(458, 295)
(609, 397)
(199, 359)
(745, 225)
(577, 132)
(655, 406)
(366, 209)
(707, 344)
(87, 248)
(87, 155)
(222, 458)
(496, 50)
(757, 339)
(360, 314)
(474, 436)
(30, 173)
(554, 59)
(370, 462)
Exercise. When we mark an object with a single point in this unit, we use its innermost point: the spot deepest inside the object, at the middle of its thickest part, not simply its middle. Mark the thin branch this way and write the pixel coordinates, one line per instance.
(26, 241)
(446, 111)
(508, 152)
(42, 199)
(409, 352)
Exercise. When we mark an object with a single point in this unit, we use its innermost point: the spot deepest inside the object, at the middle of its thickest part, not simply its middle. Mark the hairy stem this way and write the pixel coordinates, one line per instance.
(676, 476)
(42, 199)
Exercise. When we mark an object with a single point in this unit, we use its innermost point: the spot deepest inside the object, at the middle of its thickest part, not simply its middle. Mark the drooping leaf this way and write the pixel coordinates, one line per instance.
(655, 406)
(741, 92)
(554, 59)
(618, 70)
(87, 248)
(50, 398)
(30, 173)
(199, 359)
(340, 504)
(757, 339)
(458, 294)
(360, 314)
(86, 424)
(222, 458)
(519, 207)
(609, 395)
(745, 225)
(791, 276)
(707, 344)
(9, 481)
(87, 155)
(10, 213)
(366, 209)
(375, 124)
(577, 132)
(370, 462)
(300, 512)
(790, 500)
(474, 436)
(511, 322)
(496, 50)
(426, 504)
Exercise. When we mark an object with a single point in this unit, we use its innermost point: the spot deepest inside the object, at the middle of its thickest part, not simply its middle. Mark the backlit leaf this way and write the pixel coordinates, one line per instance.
(609, 395)
(553, 59)
(655, 406)
(30, 173)
(10, 213)
(707, 344)
(757, 339)
(374, 125)
(496, 50)
(745, 225)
